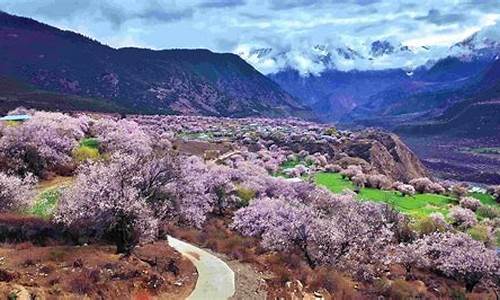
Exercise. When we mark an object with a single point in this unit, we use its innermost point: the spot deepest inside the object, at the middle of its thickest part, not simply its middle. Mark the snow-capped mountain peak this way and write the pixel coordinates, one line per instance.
(314, 58)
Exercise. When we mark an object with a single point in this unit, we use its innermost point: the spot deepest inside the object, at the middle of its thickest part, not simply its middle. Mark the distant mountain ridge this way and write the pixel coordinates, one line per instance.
(380, 54)
(139, 80)
(402, 98)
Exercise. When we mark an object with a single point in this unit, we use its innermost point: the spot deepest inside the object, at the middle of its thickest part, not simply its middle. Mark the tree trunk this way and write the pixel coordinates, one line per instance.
(469, 285)
(124, 236)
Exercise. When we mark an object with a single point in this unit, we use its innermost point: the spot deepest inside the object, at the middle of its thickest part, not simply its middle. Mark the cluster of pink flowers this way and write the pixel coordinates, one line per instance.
(15, 193)
(142, 181)
(462, 217)
(458, 256)
(425, 185)
(470, 203)
(43, 143)
(328, 229)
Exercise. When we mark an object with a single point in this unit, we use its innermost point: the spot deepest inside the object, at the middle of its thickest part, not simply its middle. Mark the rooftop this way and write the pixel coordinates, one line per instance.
(15, 118)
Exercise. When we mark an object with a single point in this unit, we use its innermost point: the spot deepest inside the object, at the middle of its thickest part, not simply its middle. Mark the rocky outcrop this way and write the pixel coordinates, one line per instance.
(386, 153)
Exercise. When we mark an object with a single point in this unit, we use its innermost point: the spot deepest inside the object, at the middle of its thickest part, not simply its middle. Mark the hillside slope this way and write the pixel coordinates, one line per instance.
(475, 115)
(141, 80)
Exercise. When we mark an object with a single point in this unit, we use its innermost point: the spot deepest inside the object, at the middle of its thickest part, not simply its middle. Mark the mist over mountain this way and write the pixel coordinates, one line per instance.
(393, 95)
(316, 58)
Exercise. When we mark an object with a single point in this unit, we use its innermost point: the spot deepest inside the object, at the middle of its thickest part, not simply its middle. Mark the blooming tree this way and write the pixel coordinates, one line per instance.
(463, 217)
(351, 171)
(123, 197)
(458, 256)
(15, 192)
(327, 229)
(378, 181)
(42, 143)
(470, 203)
(425, 185)
(404, 189)
(410, 256)
(123, 135)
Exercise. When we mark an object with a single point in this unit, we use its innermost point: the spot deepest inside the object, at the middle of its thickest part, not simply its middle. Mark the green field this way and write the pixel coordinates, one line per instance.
(90, 143)
(45, 203)
(420, 205)
(88, 149)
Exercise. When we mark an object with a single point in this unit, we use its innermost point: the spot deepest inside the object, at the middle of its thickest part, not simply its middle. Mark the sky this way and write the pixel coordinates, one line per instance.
(238, 25)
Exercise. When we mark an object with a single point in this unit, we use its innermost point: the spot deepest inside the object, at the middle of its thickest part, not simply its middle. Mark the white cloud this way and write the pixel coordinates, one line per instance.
(295, 25)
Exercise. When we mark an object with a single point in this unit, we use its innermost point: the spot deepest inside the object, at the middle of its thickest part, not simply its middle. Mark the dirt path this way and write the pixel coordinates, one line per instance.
(216, 280)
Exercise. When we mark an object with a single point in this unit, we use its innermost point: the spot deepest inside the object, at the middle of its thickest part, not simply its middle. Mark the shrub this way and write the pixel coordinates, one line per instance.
(245, 194)
(84, 153)
(332, 281)
(430, 224)
(401, 289)
(439, 221)
(487, 211)
(462, 217)
(18, 229)
(470, 203)
(46, 203)
(84, 283)
(481, 233)
(90, 143)
(379, 181)
(332, 131)
(495, 192)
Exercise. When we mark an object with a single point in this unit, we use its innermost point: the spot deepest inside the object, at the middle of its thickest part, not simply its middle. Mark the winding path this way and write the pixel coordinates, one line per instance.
(215, 278)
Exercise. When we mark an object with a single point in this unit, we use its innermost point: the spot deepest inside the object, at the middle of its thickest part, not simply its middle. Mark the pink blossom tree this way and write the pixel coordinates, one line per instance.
(460, 257)
(16, 193)
(327, 229)
(462, 217)
(470, 203)
(42, 143)
(124, 197)
(123, 135)
(410, 256)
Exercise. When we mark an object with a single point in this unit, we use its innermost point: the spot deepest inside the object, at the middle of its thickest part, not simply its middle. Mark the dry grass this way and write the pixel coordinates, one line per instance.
(96, 271)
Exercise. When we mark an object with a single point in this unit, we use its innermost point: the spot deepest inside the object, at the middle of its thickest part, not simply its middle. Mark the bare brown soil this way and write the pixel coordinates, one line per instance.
(95, 272)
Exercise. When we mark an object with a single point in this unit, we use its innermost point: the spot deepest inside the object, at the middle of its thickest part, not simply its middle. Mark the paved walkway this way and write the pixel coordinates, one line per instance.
(215, 278)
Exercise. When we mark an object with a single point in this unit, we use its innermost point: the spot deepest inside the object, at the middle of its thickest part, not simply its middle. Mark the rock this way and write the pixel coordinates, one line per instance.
(299, 285)
(387, 154)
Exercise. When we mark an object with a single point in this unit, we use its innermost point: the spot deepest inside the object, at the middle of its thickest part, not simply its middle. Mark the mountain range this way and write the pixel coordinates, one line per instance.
(457, 93)
(402, 98)
(38, 61)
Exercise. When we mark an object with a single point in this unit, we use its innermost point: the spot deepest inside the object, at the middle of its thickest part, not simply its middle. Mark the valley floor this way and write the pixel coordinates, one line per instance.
(475, 161)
